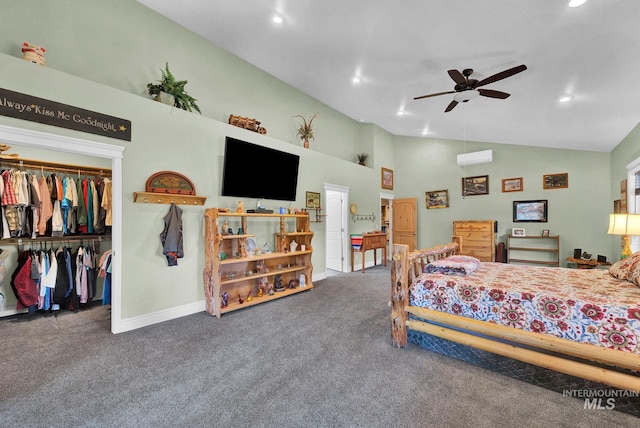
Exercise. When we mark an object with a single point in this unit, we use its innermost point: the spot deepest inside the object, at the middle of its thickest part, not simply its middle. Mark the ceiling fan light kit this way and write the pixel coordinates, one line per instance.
(467, 89)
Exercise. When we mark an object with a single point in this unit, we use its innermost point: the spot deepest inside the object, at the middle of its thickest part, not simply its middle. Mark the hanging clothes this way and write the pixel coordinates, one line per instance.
(171, 236)
(104, 271)
(46, 207)
(24, 287)
(107, 201)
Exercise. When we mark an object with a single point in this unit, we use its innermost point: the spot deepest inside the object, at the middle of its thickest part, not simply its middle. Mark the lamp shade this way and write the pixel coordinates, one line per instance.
(624, 224)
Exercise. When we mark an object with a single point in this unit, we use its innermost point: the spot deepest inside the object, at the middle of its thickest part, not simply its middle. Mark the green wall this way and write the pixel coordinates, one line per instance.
(579, 214)
(100, 56)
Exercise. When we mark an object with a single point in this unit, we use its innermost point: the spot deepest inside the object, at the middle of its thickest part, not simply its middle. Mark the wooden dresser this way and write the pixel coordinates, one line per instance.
(478, 238)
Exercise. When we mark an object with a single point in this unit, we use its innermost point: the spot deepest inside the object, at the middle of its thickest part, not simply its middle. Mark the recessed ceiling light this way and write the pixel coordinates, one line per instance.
(400, 112)
(356, 79)
(576, 3)
(565, 98)
(277, 18)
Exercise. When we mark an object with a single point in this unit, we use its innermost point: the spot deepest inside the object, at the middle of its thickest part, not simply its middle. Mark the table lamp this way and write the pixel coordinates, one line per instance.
(625, 225)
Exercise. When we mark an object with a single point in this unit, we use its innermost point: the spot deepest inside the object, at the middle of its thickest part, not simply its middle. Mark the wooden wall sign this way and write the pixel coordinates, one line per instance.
(170, 182)
(34, 109)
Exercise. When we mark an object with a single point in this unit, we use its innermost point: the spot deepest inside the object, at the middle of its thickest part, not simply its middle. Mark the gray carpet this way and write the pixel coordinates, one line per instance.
(321, 358)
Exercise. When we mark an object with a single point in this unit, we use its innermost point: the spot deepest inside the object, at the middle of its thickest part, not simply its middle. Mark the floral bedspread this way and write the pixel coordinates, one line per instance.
(582, 305)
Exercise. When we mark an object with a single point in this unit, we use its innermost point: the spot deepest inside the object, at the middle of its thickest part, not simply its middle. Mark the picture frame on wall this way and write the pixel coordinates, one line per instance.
(512, 185)
(478, 185)
(555, 181)
(387, 178)
(518, 231)
(312, 200)
(437, 199)
(530, 211)
(545, 233)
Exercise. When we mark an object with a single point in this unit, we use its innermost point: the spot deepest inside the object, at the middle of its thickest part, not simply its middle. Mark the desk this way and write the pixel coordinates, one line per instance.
(371, 241)
(587, 264)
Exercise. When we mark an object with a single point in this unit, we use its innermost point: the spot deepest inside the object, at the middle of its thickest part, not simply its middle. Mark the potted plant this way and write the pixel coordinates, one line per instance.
(362, 158)
(169, 85)
(305, 131)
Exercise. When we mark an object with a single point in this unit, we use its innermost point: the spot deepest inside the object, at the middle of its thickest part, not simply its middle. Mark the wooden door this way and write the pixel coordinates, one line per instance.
(405, 222)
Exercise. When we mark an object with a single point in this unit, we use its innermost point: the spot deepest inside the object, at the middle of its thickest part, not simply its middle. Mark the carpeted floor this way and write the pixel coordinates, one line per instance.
(321, 358)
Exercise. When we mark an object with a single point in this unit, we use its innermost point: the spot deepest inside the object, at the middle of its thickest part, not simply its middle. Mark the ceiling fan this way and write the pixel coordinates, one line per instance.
(467, 89)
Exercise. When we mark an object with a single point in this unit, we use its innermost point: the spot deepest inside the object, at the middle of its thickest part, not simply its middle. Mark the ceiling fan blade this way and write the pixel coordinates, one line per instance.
(434, 95)
(451, 105)
(493, 94)
(502, 75)
(457, 77)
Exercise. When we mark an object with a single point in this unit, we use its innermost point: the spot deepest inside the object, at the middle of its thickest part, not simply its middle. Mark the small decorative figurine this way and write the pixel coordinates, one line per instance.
(240, 208)
(33, 53)
(293, 245)
(294, 283)
(225, 227)
(278, 283)
(240, 231)
(225, 299)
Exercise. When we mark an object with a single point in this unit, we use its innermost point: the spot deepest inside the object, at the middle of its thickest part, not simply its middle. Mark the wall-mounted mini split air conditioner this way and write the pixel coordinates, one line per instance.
(474, 158)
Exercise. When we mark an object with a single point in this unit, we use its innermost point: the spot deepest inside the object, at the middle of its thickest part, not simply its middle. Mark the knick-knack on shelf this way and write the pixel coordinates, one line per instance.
(225, 299)
(33, 53)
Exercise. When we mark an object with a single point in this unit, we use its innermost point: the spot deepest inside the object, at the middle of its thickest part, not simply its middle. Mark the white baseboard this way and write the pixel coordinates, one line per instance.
(156, 317)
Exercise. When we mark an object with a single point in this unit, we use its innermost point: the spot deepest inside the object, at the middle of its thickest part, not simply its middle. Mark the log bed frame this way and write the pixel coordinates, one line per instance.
(607, 366)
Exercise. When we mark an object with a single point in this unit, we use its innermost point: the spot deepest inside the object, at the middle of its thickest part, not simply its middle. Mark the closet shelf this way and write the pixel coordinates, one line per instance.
(55, 166)
(167, 198)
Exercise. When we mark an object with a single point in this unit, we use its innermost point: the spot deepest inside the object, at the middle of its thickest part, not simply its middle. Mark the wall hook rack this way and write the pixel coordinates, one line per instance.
(363, 217)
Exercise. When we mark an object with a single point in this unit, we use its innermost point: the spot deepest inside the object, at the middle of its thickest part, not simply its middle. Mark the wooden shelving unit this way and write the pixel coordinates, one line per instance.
(315, 215)
(248, 277)
(540, 250)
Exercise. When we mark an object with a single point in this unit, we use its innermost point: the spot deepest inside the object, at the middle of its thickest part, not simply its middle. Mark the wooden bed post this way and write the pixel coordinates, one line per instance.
(399, 294)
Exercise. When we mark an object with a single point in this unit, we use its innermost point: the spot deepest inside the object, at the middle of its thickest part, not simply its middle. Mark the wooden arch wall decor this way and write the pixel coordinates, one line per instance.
(170, 182)
(169, 187)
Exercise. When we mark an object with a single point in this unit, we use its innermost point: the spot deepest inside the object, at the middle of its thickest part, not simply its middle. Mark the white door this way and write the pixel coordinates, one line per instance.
(335, 231)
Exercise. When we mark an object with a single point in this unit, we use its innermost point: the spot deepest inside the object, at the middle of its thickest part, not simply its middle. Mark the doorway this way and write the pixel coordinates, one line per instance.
(386, 219)
(49, 142)
(336, 228)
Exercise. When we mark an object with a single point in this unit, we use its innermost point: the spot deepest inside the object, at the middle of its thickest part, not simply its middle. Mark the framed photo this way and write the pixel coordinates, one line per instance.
(545, 232)
(555, 181)
(518, 231)
(387, 178)
(512, 185)
(478, 185)
(313, 200)
(530, 211)
(437, 199)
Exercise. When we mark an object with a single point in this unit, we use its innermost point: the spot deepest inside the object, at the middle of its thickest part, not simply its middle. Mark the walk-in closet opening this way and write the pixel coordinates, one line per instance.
(42, 154)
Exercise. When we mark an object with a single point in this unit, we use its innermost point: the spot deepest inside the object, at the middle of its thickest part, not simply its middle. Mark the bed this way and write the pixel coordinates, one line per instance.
(581, 322)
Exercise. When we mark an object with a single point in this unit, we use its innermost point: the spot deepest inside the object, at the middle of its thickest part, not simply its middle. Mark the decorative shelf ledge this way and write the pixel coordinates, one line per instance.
(167, 198)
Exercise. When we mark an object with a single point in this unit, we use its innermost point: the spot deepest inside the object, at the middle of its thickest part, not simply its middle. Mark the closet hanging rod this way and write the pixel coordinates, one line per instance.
(55, 166)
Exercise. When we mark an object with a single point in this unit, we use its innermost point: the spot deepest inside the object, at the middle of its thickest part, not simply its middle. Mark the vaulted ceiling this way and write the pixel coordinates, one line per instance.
(400, 50)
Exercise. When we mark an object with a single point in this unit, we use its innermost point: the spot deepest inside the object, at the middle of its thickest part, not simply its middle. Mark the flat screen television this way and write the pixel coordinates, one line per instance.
(254, 171)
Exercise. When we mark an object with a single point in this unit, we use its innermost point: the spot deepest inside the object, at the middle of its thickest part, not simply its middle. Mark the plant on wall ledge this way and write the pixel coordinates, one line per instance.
(305, 131)
(362, 158)
(169, 85)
